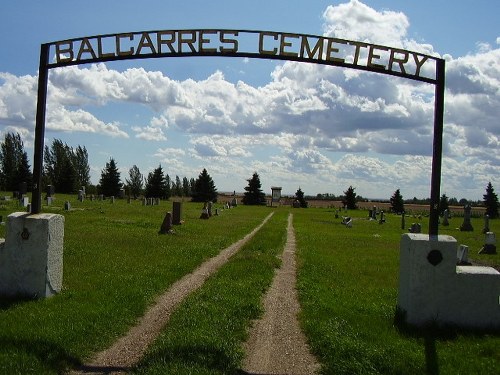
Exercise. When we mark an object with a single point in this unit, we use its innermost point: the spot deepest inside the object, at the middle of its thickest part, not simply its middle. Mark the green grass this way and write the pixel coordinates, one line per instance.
(204, 336)
(348, 280)
(115, 264)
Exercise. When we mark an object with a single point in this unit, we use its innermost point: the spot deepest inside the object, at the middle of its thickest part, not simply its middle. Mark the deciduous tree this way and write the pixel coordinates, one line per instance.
(14, 165)
(136, 181)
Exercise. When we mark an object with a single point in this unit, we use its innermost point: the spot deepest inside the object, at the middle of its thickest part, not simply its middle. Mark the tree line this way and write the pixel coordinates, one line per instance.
(67, 170)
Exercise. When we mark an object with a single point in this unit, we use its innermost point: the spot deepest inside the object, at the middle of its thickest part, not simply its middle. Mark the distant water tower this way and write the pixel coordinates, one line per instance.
(276, 194)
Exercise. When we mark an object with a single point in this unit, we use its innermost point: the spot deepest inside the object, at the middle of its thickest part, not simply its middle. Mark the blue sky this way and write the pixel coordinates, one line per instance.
(297, 125)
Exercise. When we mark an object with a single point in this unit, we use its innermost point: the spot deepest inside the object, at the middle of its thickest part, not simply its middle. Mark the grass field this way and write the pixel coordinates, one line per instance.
(115, 264)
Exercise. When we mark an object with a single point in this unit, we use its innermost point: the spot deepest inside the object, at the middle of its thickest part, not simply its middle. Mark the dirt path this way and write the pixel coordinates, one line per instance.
(129, 349)
(276, 344)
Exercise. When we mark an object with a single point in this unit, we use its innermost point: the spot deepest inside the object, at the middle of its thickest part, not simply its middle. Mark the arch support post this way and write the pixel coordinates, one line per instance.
(43, 75)
(437, 147)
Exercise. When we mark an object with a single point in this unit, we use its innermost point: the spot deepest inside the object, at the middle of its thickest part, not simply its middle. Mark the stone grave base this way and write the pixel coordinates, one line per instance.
(31, 256)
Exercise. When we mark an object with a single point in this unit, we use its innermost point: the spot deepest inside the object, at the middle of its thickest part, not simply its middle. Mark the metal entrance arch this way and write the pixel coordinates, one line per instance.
(244, 43)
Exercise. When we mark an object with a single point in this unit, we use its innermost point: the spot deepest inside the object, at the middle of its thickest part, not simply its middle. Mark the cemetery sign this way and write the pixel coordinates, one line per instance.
(248, 44)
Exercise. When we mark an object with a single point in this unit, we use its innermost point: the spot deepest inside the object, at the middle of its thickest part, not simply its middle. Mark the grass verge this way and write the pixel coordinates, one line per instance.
(348, 280)
(115, 264)
(205, 334)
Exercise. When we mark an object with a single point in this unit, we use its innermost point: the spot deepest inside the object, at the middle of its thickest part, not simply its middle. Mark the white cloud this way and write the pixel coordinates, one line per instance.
(303, 115)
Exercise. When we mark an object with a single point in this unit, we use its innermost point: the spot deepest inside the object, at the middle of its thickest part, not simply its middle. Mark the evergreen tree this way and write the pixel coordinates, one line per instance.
(204, 188)
(397, 203)
(156, 184)
(299, 195)
(110, 179)
(350, 198)
(14, 166)
(253, 192)
(443, 204)
(490, 200)
(136, 181)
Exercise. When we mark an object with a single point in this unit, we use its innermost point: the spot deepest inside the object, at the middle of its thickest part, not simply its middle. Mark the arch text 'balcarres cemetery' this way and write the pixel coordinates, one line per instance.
(251, 44)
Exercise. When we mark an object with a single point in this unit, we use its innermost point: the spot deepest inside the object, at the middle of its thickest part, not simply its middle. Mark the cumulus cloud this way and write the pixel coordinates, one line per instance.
(305, 113)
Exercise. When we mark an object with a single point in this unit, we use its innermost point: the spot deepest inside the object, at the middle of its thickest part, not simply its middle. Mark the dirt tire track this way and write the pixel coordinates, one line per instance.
(129, 349)
(276, 344)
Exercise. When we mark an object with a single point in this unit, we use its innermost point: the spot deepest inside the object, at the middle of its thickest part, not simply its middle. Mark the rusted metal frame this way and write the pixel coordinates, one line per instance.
(43, 76)
(439, 83)
(437, 149)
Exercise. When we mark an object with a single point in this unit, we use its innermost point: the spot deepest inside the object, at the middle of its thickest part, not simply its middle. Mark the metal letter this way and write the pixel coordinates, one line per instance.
(60, 51)
(118, 46)
(261, 43)
(284, 44)
(372, 56)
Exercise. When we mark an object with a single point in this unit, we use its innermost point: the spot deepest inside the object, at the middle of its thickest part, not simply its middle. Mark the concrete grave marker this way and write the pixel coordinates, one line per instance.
(489, 244)
(31, 257)
(177, 213)
(446, 215)
(466, 225)
(166, 226)
(486, 227)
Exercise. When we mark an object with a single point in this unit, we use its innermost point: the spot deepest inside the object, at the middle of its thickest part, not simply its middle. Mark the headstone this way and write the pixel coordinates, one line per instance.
(370, 214)
(157, 201)
(489, 244)
(177, 213)
(144, 202)
(67, 206)
(50, 190)
(49, 201)
(101, 197)
(209, 208)
(415, 228)
(234, 202)
(446, 214)
(24, 201)
(382, 217)
(81, 195)
(467, 226)
(486, 228)
(28, 207)
(374, 213)
(296, 204)
(121, 194)
(463, 255)
(166, 226)
(31, 260)
(204, 212)
(23, 188)
(112, 199)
